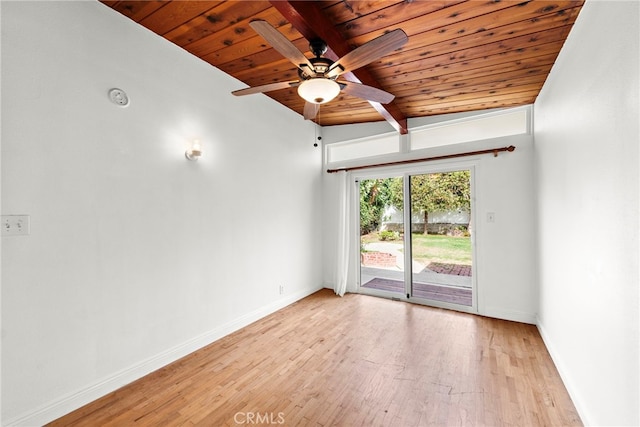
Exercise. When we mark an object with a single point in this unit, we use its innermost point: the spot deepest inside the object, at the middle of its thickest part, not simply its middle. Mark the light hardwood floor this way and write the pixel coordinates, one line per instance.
(351, 361)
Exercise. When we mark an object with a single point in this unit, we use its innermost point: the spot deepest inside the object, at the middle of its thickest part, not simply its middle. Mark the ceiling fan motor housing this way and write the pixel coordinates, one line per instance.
(320, 65)
(320, 68)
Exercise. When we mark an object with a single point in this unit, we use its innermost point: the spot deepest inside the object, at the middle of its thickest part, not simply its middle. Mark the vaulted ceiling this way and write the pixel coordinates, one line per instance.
(460, 55)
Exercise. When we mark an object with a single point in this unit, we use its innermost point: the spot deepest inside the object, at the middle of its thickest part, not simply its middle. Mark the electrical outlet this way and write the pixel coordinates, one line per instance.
(281, 289)
(491, 217)
(15, 225)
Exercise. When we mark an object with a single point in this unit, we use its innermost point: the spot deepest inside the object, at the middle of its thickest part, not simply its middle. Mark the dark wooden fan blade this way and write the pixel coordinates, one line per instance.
(281, 43)
(369, 52)
(310, 110)
(265, 88)
(369, 93)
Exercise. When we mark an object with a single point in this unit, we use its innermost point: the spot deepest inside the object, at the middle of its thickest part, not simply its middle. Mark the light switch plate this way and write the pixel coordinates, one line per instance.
(15, 225)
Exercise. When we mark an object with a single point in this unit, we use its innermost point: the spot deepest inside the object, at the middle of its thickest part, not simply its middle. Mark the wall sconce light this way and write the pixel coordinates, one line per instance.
(194, 152)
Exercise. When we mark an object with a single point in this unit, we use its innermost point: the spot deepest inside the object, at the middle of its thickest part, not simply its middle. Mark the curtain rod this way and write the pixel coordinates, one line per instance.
(493, 151)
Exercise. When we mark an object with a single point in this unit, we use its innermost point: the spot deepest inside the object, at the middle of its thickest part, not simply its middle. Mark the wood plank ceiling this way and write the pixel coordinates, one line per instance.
(461, 55)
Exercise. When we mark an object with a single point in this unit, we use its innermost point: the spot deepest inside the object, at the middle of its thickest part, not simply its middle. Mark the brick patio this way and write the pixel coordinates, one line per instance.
(453, 269)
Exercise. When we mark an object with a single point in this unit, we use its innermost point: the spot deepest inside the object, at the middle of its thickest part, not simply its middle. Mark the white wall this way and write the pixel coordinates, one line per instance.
(586, 145)
(505, 263)
(137, 256)
(1, 127)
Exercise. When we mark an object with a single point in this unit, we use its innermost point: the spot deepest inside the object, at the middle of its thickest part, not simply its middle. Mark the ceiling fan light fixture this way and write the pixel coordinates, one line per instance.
(319, 90)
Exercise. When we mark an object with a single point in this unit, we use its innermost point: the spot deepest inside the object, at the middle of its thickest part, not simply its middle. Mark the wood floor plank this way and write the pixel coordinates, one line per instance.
(351, 361)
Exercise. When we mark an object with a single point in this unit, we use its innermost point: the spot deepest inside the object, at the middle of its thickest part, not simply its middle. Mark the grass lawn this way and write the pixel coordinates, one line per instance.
(435, 248)
(445, 249)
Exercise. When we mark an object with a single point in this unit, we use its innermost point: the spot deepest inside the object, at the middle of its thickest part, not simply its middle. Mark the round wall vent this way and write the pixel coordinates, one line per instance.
(118, 97)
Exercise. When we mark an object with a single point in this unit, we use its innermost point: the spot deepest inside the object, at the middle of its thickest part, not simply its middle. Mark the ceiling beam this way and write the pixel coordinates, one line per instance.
(310, 21)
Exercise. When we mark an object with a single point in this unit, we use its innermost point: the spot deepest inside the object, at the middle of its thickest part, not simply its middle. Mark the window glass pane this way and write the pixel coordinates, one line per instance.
(357, 149)
(512, 123)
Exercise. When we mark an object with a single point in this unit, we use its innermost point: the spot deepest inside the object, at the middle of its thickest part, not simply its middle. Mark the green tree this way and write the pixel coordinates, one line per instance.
(375, 195)
(436, 192)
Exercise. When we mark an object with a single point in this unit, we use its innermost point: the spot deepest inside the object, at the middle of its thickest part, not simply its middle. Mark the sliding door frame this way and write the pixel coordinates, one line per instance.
(405, 172)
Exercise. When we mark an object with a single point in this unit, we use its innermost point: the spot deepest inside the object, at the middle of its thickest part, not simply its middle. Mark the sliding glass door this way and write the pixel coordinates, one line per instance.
(415, 237)
(441, 250)
(381, 234)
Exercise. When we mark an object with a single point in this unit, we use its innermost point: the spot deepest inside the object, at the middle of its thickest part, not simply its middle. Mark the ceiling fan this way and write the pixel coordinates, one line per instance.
(318, 82)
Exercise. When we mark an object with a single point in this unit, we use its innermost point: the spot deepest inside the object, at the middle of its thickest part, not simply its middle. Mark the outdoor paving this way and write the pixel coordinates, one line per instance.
(425, 276)
(453, 269)
(435, 273)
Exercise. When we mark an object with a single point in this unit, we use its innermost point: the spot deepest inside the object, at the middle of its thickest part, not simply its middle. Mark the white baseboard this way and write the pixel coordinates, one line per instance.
(562, 371)
(513, 315)
(72, 401)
